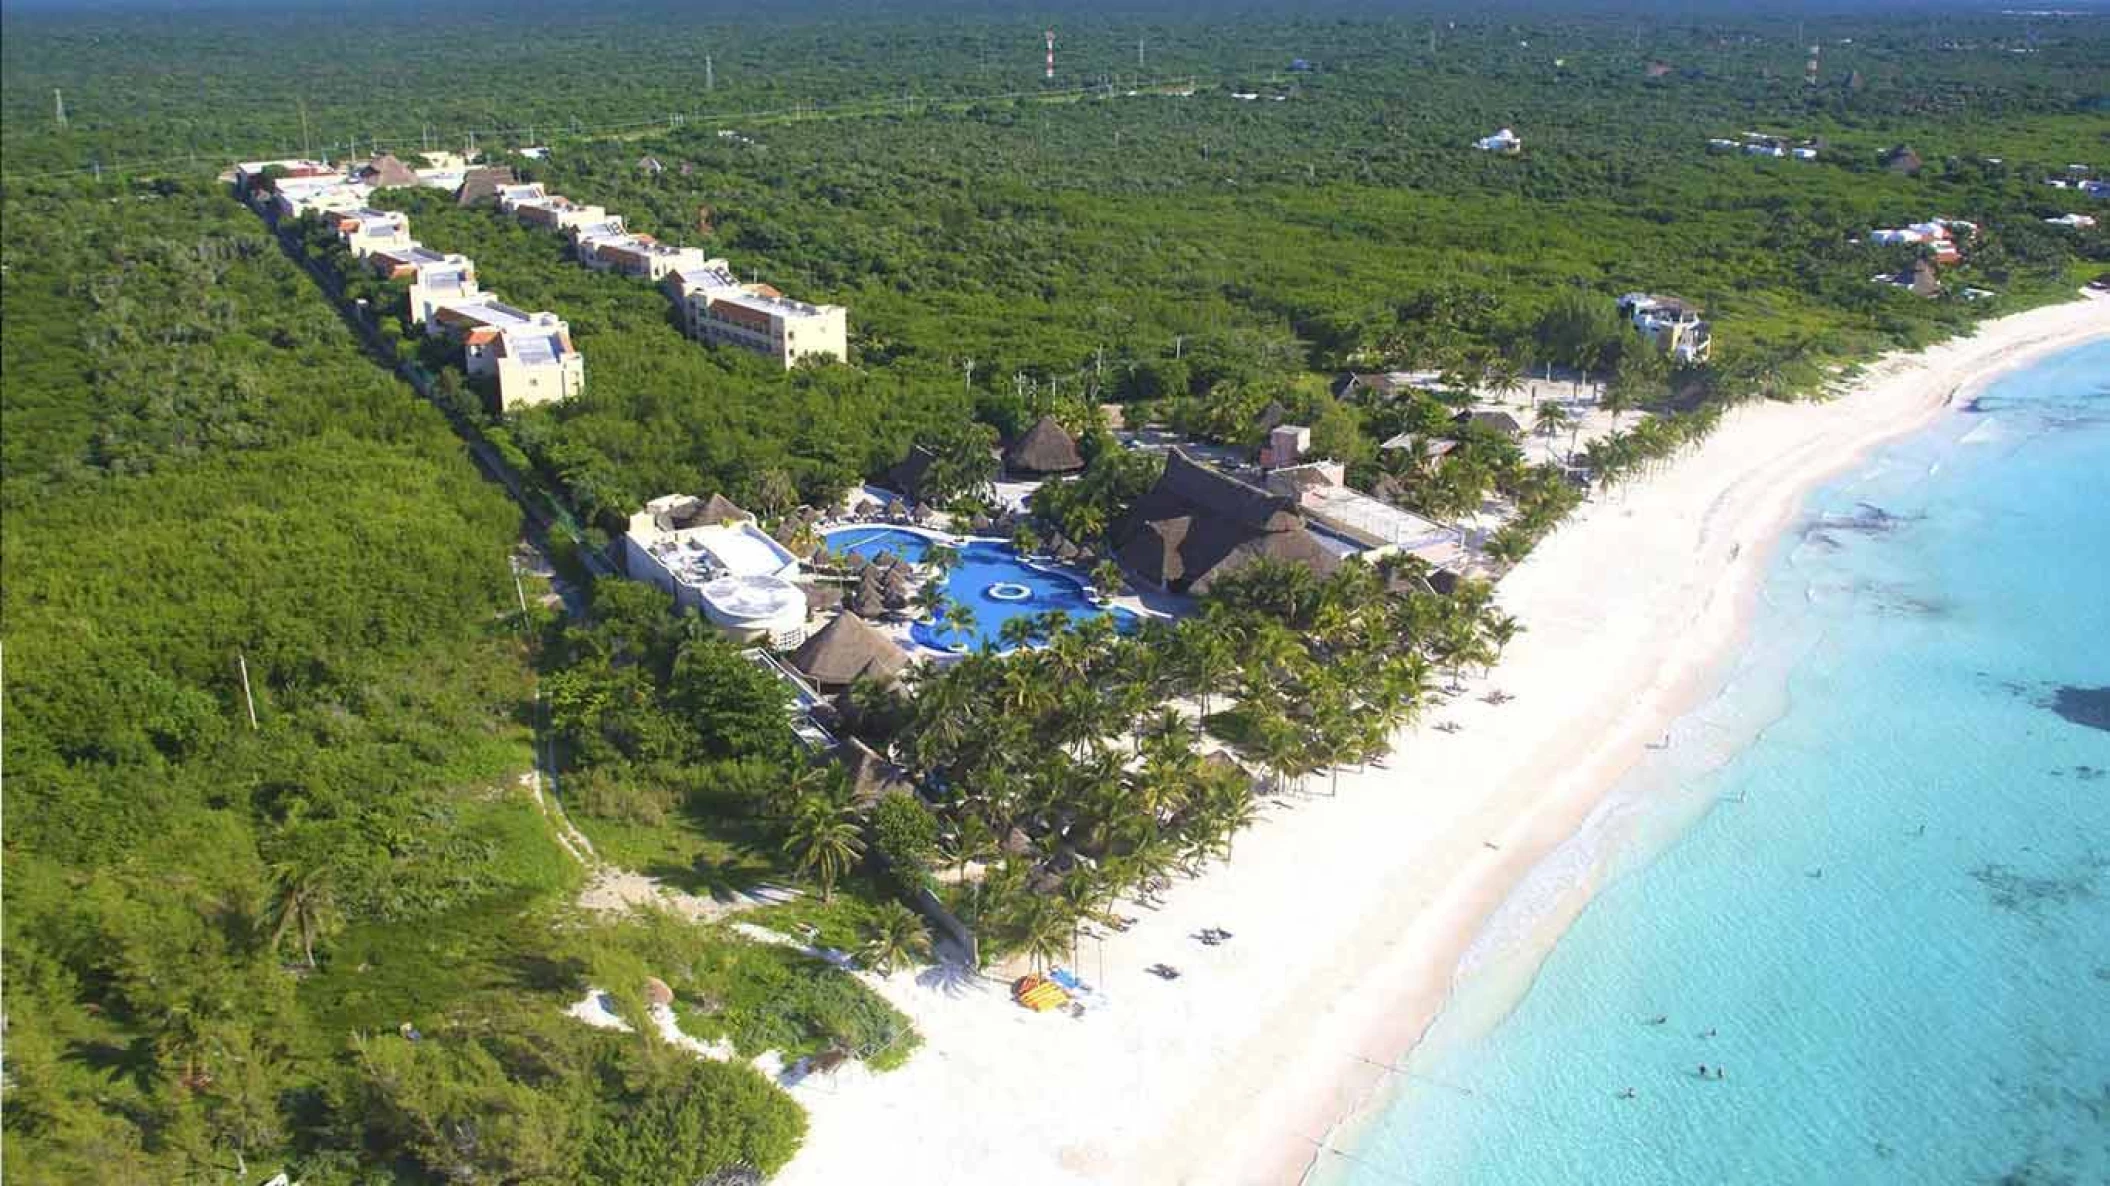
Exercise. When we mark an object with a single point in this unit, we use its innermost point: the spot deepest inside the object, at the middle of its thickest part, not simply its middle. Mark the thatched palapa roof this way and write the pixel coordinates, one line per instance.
(1197, 524)
(1043, 449)
(872, 775)
(481, 183)
(846, 650)
(385, 171)
(908, 475)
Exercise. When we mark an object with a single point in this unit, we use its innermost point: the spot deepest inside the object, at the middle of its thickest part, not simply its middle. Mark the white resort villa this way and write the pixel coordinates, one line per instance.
(529, 354)
(1671, 325)
(715, 560)
(716, 307)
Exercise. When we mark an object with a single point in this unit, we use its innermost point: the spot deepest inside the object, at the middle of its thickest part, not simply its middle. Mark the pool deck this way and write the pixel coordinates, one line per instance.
(1155, 604)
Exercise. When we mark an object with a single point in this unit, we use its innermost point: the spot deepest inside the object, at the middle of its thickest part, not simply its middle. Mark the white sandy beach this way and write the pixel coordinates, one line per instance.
(1351, 913)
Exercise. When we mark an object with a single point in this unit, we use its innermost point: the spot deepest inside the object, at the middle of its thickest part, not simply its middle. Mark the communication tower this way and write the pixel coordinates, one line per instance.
(1809, 72)
(1051, 53)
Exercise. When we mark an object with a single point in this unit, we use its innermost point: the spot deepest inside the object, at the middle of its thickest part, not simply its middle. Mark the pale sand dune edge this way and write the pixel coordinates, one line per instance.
(1351, 913)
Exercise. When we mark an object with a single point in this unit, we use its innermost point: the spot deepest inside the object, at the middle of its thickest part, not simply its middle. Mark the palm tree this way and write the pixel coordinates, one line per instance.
(1505, 378)
(895, 936)
(1106, 578)
(1016, 633)
(1552, 418)
(302, 901)
(931, 597)
(959, 619)
(825, 839)
(942, 558)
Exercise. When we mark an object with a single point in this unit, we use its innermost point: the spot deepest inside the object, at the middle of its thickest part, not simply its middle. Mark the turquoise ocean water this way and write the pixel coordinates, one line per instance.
(1870, 879)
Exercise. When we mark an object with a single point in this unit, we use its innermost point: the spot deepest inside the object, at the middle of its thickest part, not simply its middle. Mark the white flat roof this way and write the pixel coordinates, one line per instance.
(696, 555)
(1372, 517)
(754, 599)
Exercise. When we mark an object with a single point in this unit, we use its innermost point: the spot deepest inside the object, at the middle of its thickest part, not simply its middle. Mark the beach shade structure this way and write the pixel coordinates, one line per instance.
(857, 561)
(821, 558)
(923, 513)
(1017, 843)
(896, 579)
(897, 510)
(657, 993)
(979, 524)
(846, 650)
(1043, 449)
(821, 598)
(1065, 551)
(868, 602)
(866, 508)
(871, 775)
(1499, 422)
(1227, 767)
(885, 559)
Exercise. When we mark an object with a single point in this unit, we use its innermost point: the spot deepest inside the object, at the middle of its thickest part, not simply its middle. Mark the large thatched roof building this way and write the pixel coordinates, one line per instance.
(1197, 524)
(480, 184)
(908, 474)
(846, 650)
(1044, 448)
(385, 171)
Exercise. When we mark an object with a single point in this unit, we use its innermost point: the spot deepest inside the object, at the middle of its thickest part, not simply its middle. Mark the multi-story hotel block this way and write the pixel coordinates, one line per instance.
(529, 354)
(719, 309)
(434, 277)
(367, 231)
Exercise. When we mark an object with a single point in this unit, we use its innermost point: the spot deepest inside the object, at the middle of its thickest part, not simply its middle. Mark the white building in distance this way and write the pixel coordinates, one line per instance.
(718, 309)
(366, 231)
(1670, 325)
(530, 355)
(435, 277)
(713, 558)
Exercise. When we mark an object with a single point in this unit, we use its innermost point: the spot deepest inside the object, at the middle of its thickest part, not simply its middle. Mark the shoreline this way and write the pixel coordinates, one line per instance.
(1353, 914)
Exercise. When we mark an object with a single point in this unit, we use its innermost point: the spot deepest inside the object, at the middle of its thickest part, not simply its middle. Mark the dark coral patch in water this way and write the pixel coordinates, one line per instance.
(2083, 706)
(2023, 894)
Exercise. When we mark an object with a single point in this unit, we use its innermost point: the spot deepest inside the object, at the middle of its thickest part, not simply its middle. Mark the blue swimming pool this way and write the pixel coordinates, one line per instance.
(990, 580)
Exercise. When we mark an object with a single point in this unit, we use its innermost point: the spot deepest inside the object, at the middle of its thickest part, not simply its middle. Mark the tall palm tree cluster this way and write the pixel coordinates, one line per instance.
(1094, 765)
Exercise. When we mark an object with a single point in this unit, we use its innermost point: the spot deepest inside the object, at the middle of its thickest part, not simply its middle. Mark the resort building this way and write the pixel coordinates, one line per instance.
(1320, 490)
(292, 197)
(718, 309)
(435, 277)
(482, 183)
(1042, 450)
(1197, 524)
(1505, 142)
(713, 558)
(510, 197)
(529, 355)
(1286, 445)
(1671, 325)
(2076, 221)
(846, 650)
(255, 176)
(633, 255)
(558, 213)
(385, 171)
(366, 231)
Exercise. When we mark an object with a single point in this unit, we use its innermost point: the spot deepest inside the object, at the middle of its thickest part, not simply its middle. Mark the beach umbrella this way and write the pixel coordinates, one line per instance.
(657, 992)
(886, 559)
